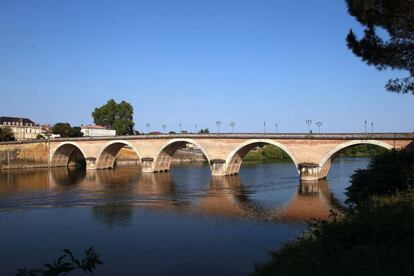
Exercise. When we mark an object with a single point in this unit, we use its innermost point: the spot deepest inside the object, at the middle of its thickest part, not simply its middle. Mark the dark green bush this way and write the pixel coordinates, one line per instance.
(387, 174)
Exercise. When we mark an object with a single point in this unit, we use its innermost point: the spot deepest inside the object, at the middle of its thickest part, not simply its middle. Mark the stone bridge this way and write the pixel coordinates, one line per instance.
(312, 154)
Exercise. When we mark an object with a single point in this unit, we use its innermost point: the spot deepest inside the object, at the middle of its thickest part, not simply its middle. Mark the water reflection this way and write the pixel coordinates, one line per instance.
(113, 215)
(67, 176)
(113, 195)
(313, 200)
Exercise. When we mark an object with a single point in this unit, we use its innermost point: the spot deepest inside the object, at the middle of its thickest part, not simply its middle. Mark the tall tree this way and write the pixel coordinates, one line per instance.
(395, 50)
(6, 134)
(115, 116)
(65, 130)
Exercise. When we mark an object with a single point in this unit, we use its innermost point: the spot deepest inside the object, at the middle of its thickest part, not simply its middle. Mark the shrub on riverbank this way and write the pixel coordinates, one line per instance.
(389, 173)
(374, 236)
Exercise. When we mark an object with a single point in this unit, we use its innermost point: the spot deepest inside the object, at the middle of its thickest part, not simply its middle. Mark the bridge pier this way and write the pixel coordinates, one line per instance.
(90, 163)
(218, 167)
(147, 165)
(309, 172)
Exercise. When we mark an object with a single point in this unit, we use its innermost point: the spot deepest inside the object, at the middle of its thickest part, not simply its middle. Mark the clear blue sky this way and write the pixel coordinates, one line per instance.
(193, 62)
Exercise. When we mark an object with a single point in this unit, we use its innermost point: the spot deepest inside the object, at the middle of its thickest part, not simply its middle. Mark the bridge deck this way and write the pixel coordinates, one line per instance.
(314, 136)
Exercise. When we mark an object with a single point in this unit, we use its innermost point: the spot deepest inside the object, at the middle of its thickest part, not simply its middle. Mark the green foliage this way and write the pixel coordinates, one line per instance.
(65, 264)
(65, 130)
(388, 173)
(377, 240)
(76, 132)
(115, 116)
(267, 152)
(365, 150)
(6, 134)
(396, 17)
(40, 136)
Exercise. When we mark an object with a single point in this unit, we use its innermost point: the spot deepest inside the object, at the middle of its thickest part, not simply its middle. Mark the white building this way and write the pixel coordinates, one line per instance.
(23, 128)
(96, 131)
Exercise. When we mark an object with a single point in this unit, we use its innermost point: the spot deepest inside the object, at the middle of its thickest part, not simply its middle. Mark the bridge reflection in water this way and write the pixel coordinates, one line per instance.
(114, 194)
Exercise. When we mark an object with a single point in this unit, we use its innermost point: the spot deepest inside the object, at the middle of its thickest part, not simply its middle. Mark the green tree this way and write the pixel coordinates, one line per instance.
(387, 174)
(65, 130)
(76, 132)
(6, 134)
(396, 17)
(115, 116)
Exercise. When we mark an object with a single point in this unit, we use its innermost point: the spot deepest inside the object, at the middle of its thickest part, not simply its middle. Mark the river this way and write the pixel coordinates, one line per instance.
(185, 222)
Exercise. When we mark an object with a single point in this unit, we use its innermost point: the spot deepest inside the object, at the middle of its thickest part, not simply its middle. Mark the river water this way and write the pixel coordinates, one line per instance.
(185, 222)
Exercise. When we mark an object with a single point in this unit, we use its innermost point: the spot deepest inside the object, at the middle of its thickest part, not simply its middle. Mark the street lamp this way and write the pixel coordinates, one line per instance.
(308, 122)
(180, 127)
(218, 123)
(232, 125)
(148, 126)
(319, 124)
(195, 128)
(372, 128)
(276, 128)
(264, 127)
(365, 127)
(164, 127)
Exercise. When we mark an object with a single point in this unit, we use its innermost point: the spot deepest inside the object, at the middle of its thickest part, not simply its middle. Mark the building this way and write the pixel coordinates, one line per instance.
(97, 131)
(23, 128)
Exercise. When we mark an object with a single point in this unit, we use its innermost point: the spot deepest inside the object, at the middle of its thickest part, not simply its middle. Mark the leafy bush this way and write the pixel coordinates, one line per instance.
(388, 173)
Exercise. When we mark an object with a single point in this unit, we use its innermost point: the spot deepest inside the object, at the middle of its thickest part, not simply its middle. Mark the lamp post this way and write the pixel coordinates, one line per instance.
(319, 124)
(232, 125)
(148, 126)
(164, 127)
(195, 128)
(218, 123)
(264, 127)
(365, 127)
(180, 127)
(276, 128)
(308, 122)
(372, 128)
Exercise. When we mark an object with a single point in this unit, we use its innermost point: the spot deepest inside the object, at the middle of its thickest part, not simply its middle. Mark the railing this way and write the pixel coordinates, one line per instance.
(313, 136)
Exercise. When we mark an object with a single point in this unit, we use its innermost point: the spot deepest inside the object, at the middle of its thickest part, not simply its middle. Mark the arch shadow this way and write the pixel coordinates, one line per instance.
(165, 155)
(68, 154)
(235, 158)
(108, 155)
(328, 159)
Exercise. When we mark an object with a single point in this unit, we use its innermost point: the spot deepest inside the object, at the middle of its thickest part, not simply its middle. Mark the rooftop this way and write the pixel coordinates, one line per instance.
(93, 127)
(20, 120)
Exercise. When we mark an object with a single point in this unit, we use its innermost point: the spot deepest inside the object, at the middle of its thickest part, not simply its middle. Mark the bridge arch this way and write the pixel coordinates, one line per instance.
(165, 155)
(66, 154)
(327, 160)
(235, 158)
(107, 156)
